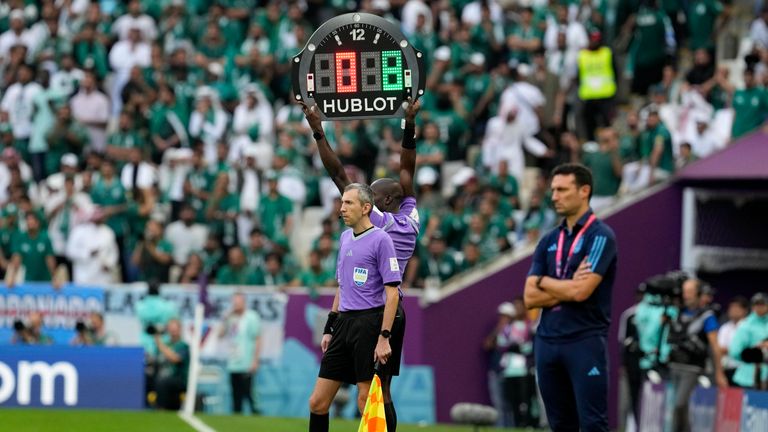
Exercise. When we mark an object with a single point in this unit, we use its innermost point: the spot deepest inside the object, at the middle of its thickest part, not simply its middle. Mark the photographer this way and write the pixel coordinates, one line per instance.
(751, 333)
(32, 332)
(94, 335)
(693, 338)
(154, 312)
(172, 366)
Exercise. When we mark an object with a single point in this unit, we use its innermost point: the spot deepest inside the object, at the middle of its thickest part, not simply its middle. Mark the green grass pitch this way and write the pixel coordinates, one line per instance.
(39, 420)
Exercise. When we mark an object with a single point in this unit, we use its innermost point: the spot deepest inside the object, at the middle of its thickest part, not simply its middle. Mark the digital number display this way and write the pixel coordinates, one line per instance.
(358, 66)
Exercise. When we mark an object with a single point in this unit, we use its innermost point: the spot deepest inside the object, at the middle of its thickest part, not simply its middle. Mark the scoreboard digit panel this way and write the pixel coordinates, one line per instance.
(358, 66)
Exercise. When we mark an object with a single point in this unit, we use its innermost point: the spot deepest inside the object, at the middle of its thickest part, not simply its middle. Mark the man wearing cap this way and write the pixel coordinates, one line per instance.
(752, 332)
(394, 211)
(597, 84)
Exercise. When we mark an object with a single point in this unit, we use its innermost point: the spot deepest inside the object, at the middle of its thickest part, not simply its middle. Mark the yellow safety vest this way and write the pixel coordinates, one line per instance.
(596, 77)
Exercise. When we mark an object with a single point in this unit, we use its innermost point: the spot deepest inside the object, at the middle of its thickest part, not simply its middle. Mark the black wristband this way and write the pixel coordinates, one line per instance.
(409, 136)
(317, 136)
(332, 317)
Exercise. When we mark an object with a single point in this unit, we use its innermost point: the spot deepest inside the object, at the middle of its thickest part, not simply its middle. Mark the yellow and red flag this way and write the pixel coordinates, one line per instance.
(374, 419)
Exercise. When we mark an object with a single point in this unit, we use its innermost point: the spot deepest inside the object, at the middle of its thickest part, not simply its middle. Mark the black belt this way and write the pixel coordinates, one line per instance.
(360, 312)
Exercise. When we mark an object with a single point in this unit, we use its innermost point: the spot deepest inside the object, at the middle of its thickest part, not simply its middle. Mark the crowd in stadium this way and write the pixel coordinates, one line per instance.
(156, 140)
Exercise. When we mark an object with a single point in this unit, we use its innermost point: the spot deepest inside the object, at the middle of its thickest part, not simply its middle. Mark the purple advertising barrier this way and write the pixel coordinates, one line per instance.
(296, 326)
(648, 236)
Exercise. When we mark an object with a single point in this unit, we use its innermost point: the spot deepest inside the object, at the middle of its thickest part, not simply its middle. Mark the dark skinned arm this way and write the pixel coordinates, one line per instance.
(408, 150)
(331, 161)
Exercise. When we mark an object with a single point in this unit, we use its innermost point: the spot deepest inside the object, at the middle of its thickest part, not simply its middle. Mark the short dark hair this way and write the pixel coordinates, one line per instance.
(581, 174)
(741, 301)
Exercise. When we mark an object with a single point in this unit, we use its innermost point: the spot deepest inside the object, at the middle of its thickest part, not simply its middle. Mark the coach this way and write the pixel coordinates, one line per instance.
(571, 279)
(360, 323)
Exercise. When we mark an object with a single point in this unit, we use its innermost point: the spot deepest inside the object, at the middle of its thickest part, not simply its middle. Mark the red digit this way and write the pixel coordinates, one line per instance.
(346, 72)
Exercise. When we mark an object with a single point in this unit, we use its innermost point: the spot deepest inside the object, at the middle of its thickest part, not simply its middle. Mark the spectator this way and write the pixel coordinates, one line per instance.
(32, 258)
(185, 236)
(685, 157)
(274, 274)
(437, 263)
(135, 20)
(314, 276)
(121, 142)
(124, 55)
(68, 78)
(652, 41)
(758, 31)
(18, 102)
(109, 194)
(605, 163)
(168, 121)
(172, 366)
(275, 210)
(752, 332)
(90, 107)
(208, 122)
(66, 136)
(31, 333)
(738, 310)
(94, 252)
(236, 272)
(137, 173)
(11, 161)
(750, 105)
(471, 258)
(94, 334)
(242, 330)
(17, 34)
(64, 209)
(153, 254)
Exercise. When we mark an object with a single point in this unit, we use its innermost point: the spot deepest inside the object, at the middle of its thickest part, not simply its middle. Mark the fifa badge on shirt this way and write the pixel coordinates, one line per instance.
(360, 276)
(393, 265)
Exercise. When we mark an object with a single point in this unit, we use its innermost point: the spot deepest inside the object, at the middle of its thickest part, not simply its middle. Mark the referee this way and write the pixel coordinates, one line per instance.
(571, 278)
(394, 211)
(360, 323)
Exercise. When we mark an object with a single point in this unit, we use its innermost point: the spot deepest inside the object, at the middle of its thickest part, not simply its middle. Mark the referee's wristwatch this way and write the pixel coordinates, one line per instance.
(386, 334)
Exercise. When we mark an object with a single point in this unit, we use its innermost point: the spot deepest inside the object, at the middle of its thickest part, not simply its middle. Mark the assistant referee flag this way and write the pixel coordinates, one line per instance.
(373, 416)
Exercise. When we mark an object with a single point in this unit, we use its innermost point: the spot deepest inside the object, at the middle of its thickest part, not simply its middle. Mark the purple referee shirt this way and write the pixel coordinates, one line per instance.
(402, 227)
(365, 264)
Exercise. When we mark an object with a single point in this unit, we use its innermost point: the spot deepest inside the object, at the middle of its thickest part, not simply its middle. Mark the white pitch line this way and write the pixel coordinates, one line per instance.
(195, 423)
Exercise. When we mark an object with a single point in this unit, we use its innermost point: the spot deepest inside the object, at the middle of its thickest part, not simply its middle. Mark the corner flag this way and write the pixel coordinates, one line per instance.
(373, 417)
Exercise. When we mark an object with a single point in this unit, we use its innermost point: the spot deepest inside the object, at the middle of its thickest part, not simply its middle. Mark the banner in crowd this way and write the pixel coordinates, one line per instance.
(120, 314)
(61, 309)
(71, 377)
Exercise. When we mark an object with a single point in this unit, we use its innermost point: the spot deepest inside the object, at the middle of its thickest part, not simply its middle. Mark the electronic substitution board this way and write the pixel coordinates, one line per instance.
(358, 66)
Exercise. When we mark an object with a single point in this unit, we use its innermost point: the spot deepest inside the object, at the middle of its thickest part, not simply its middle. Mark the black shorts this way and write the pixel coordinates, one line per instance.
(349, 357)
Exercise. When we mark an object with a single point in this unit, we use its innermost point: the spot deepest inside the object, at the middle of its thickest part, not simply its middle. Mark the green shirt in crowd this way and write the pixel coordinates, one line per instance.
(111, 193)
(751, 106)
(659, 135)
(33, 251)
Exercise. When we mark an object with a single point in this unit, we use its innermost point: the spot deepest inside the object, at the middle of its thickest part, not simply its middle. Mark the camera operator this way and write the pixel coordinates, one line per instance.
(94, 335)
(32, 332)
(172, 366)
(154, 312)
(693, 338)
(751, 333)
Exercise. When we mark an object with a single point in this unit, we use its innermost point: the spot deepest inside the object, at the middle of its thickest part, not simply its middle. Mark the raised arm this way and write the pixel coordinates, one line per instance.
(408, 151)
(331, 162)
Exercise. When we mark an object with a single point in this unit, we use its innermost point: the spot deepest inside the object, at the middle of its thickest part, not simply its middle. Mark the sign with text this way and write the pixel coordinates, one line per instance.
(120, 314)
(60, 309)
(71, 377)
(358, 66)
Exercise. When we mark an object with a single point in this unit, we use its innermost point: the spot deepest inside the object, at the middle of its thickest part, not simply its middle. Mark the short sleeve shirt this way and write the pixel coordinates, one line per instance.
(576, 320)
(366, 263)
